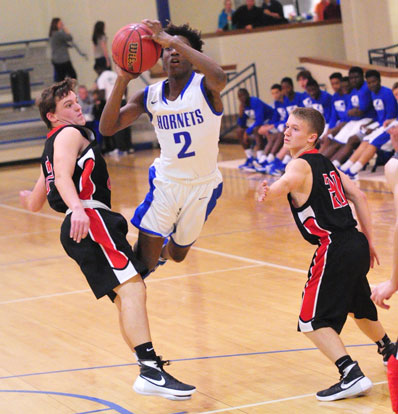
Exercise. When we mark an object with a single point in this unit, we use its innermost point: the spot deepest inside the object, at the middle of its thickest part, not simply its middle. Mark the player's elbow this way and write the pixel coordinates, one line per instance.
(106, 130)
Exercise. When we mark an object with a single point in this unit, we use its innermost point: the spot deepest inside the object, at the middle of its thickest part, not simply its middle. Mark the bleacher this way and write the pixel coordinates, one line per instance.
(21, 130)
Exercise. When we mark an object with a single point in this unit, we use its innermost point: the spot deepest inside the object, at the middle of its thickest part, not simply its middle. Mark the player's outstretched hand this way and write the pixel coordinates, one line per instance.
(79, 225)
(159, 35)
(262, 191)
(382, 292)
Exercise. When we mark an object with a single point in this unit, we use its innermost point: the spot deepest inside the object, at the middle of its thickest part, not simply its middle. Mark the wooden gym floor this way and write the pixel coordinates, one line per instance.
(226, 317)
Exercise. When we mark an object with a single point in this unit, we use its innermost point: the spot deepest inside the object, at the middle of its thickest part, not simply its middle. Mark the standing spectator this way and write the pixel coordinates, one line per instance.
(273, 13)
(225, 17)
(319, 10)
(332, 11)
(100, 45)
(60, 39)
(248, 16)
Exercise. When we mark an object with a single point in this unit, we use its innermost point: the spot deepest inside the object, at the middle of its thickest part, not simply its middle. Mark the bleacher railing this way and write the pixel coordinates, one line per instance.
(246, 78)
(384, 56)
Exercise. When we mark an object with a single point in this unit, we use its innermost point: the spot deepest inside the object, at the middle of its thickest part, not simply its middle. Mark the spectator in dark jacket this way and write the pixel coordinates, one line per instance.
(273, 13)
(248, 16)
(332, 11)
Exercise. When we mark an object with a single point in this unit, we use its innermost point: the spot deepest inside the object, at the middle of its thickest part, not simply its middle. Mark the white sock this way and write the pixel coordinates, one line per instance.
(262, 159)
(270, 158)
(356, 167)
(336, 163)
(286, 159)
(347, 165)
(260, 154)
(249, 153)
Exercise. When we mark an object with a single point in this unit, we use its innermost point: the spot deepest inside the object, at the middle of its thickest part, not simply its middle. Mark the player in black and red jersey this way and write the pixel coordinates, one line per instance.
(75, 180)
(337, 285)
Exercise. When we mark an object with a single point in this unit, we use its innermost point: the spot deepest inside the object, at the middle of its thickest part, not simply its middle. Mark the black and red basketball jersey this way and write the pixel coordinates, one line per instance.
(90, 176)
(327, 210)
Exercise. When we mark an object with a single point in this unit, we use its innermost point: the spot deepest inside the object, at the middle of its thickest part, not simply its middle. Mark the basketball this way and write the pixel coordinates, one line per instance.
(132, 51)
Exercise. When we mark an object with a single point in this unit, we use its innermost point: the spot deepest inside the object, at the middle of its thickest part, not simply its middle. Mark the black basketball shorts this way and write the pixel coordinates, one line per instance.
(337, 283)
(104, 256)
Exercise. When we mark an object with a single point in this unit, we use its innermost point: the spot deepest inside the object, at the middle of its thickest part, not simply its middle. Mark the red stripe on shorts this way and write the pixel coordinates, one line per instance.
(313, 284)
(99, 233)
(86, 184)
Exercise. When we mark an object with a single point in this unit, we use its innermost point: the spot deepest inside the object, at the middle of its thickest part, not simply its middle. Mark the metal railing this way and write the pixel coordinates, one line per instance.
(384, 56)
(246, 78)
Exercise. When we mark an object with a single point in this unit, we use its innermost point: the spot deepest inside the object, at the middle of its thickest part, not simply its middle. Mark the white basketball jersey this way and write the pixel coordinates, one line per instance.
(188, 130)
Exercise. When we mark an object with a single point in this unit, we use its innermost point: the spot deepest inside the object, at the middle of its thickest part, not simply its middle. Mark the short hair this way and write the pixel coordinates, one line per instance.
(372, 74)
(287, 80)
(395, 86)
(312, 82)
(355, 69)
(276, 86)
(336, 75)
(306, 74)
(51, 95)
(314, 119)
(346, 79)
(193, 36)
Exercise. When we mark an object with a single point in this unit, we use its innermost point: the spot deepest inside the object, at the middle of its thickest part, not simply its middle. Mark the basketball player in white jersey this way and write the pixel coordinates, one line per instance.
(186, 112)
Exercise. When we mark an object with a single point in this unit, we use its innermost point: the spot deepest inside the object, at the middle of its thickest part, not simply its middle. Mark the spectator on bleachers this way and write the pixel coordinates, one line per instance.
(361, 114)
(273, 13)
(248, 16)
(339, 117)
(320, 100)
(377, 138)
(86, 102)
(319, 10)
(253, 113)
(332, 11)
(225, 17)
(60, 39)
(273, 131)
(100, 43)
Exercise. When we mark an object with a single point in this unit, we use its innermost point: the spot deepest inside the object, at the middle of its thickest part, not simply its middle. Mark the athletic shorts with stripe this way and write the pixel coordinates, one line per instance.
(104, 256)
(177, 209)
(337, 283)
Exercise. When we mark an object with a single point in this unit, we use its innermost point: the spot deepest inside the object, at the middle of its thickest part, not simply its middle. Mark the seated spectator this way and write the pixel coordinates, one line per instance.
(225, 17)
(302, 78)
(273, 131)
(319, 10)
(86, 102)
(320, 100)
(361, 114)
(332, 11)
(248, 16)
(291, 99)
(253, 113)
(273, 13)
(339, 117)
(377, 138)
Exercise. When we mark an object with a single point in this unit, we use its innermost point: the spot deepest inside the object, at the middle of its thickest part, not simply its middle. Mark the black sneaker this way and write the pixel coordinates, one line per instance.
(154, 380)
(387, 351)
(353, 384)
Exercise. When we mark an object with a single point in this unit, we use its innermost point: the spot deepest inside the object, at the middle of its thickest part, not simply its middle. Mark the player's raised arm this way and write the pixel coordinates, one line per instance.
(113, 117)
(216, 78)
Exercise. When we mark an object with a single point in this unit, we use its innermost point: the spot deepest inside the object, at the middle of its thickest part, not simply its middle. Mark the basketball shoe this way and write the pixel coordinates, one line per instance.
(387, 351)
(154, 380)
(352, 384)
(248, 165)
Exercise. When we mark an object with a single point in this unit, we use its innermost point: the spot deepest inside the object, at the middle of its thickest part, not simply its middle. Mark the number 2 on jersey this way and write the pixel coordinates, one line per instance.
(186, 138)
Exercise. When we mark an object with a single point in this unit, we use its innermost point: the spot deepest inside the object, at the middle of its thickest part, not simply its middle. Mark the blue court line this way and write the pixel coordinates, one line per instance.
(22, 121)
(15, 141)
(281, 351)
(96, 411)
(108, 404)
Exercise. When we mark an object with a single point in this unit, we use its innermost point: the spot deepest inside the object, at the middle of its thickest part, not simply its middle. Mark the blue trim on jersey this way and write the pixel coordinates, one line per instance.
(202, 87)
(163, 93)
(145, 100)
(213, 199)
(141, 210)
(187, 84)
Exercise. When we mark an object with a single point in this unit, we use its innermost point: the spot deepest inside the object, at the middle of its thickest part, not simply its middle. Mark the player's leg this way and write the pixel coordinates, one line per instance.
(148, 248)
(153, 379)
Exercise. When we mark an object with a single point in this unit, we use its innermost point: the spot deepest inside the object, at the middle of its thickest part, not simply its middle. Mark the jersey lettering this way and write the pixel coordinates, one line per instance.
(50, 174)
(336, 192)
(188, 141)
